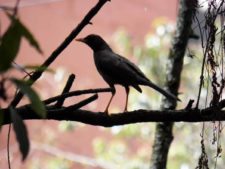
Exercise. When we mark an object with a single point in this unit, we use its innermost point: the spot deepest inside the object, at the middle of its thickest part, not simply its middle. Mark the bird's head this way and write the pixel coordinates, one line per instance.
(95, 42)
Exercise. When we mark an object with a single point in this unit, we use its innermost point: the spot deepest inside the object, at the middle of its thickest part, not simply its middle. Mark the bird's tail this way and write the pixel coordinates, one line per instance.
(162, 91)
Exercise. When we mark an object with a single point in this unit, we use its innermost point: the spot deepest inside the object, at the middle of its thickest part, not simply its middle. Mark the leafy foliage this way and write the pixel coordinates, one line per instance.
(21, 133)
(36, 103)
(10, 42)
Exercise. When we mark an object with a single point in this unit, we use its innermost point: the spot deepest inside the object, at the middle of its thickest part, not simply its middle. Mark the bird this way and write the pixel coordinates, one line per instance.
(117, 70)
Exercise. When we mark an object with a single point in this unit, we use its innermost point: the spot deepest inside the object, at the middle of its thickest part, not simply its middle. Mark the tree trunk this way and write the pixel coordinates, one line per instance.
(163, 133)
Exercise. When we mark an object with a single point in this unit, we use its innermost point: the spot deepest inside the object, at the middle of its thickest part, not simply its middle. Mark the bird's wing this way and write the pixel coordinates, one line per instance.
(117, 69)
(133, 67)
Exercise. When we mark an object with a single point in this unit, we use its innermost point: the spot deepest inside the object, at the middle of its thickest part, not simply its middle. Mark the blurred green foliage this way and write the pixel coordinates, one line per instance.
(59, 163)
(49, 163)
(67, 126)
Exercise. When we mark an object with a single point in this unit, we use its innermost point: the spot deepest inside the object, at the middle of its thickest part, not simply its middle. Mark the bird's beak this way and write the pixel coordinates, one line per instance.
(80, 40)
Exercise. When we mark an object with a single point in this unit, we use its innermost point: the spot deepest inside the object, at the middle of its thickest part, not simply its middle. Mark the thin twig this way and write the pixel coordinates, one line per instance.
(66, 89)
(10, 125)
(16, 7)
(8, 147)
(6, 8)
(81, 104)
(76, 93)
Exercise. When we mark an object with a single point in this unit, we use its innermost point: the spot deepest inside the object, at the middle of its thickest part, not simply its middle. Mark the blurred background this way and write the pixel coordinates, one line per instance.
(140, 30)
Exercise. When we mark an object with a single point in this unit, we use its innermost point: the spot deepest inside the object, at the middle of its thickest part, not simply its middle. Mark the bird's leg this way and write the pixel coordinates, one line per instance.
(127, 93)
(113, 93)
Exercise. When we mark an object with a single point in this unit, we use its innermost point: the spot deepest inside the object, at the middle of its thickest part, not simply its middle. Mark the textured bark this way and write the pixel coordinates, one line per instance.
(163, 133)
(74, 113)
(163, 139)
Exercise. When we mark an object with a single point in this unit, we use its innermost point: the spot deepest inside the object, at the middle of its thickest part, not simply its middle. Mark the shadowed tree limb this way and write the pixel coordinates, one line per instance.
(81, 104)
(76, 93)
(163, 133)
(66, 89)
(137, 116)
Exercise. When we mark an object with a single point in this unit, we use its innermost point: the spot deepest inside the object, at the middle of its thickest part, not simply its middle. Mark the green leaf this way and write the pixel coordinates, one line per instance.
(10, 42)
(30, 38)
(26, 33)
(9, 46)
(36, 103)
(21, 133)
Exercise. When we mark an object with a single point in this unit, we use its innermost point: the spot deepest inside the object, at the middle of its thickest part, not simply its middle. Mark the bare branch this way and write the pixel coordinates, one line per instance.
(137, 116)
(66, 89)
(81, 104)
(76, 93)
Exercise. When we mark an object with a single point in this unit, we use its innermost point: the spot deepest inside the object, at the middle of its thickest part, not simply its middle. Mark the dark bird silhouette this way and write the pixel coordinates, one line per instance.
(116, 69)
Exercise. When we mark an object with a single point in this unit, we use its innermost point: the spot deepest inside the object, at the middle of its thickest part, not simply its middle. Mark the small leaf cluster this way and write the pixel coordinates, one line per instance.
(10, 43)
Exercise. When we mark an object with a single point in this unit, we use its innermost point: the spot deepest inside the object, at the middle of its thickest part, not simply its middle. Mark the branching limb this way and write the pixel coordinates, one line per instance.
(137, 116)
(81, 104)
(66, 89)
(76, 93)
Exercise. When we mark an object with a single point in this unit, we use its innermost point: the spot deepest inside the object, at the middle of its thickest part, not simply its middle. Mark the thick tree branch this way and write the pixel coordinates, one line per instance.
(163, 134)
(137, 116)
